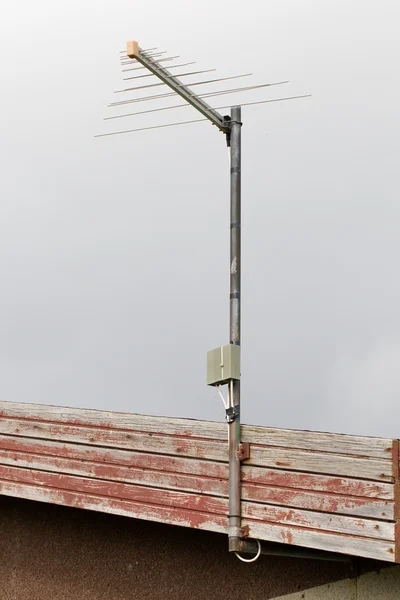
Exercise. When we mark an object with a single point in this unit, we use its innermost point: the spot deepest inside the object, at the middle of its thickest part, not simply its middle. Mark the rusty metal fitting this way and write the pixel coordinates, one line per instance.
(244, 451)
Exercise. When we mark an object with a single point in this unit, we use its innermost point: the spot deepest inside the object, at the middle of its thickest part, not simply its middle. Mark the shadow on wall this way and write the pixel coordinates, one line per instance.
(59, 553)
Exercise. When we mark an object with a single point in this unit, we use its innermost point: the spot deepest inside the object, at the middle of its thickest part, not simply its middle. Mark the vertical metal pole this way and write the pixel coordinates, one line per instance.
(234, 531)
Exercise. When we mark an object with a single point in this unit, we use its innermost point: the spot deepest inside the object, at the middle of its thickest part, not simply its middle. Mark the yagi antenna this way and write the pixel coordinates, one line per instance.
(150, 61)
(223, 363)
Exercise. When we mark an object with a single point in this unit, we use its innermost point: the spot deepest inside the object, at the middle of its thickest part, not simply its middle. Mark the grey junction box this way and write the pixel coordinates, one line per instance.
(223, 364)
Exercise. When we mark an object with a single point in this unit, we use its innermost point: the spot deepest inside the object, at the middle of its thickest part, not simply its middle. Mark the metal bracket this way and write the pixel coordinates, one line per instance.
(232, 413)
(227, 123)
(245, 531)
(244, 451)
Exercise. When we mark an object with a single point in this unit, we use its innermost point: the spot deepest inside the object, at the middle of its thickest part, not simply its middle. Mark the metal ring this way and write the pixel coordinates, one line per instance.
(250, 560)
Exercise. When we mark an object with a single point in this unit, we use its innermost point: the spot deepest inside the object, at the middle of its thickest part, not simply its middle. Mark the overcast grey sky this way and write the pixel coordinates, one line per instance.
(114, 251)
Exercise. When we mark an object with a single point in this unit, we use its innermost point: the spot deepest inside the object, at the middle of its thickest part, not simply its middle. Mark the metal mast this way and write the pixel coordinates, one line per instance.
(234, 138)
(231, 127)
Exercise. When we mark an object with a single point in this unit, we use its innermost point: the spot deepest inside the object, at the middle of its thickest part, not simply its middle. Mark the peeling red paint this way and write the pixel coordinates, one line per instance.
(180, 478)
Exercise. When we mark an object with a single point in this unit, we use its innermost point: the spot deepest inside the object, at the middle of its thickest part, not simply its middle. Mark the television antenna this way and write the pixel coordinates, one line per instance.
(223, 363)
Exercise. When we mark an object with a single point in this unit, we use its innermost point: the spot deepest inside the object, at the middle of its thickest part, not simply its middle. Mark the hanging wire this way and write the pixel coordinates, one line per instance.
(224, 402)
(254, 558)
(198, 120)
(142, 112)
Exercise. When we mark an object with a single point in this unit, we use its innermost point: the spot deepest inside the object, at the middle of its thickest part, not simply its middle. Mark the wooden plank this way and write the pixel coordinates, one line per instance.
(252, 475)
(115, 420)
(145, 442)
(160, 514)
(330, 542)
(370, 528)
(321, 502)
(203, 503)
(330, 442)
(112, 489)
(317, 441)
(160, 479)
(319, 483)
(328, 464)
(110, 456)
(374, 549)
(360, 468)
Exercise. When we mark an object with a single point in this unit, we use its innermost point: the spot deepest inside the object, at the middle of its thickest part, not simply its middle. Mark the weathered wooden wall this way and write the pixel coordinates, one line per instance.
(332, 492)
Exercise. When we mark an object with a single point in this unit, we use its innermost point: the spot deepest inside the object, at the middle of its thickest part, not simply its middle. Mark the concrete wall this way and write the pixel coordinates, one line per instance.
(384, 585)
(58, 553)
